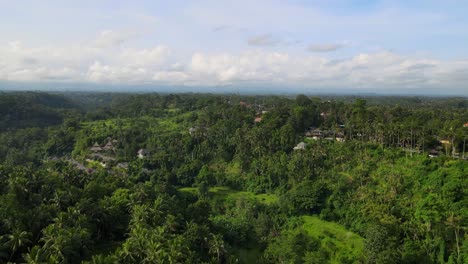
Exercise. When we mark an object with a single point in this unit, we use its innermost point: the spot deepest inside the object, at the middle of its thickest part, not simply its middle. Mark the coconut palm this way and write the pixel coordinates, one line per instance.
(17, 240)
(36, 255)
(217, 247)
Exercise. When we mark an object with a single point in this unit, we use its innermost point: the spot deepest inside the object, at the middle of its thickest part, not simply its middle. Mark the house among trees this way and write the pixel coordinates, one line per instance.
(300, 146)
(192, 130)
(122, 165)
(143, 153)
(340, 137)
(324, 115)
(96, 147)
(465, 125)
(109, 146)
(433, 153)
(444, 141)
(244, 104)
(258, 119)
(314, 133)
(198, 131)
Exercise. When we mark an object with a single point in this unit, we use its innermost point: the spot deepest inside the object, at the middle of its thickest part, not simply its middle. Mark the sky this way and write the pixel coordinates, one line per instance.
(397, 46)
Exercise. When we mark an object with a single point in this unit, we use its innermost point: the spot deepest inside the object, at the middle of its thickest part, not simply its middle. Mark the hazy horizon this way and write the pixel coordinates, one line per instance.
(268, 90)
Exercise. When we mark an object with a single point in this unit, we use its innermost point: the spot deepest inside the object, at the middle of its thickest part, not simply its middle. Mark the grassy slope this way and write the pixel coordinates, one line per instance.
(339, 242)
(156, 124)
(227, 193)
(335, 237)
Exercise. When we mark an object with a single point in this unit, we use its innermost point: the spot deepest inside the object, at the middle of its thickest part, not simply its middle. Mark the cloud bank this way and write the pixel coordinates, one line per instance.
(110, 62)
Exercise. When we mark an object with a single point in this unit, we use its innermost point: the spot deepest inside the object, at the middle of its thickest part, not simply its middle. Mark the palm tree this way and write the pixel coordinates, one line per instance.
(454, 222)
(154, 252)
(217, 246)
(176, 250)
(36, 255)
(16, 240)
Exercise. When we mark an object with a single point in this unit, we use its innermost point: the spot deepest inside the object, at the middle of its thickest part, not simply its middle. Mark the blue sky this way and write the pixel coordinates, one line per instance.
(356, 45)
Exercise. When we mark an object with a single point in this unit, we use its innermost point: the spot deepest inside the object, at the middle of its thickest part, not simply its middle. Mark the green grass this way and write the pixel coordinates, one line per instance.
(227, 193)
(340, 242)
(152, 125)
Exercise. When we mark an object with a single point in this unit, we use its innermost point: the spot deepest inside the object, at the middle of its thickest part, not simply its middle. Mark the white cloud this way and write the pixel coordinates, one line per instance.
(103, 73)
(324, 47)
(145, 57)
(171, 77)
(159, 65)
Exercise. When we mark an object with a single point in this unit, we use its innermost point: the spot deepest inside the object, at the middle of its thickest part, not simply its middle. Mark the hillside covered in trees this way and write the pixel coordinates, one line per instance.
(200, 178)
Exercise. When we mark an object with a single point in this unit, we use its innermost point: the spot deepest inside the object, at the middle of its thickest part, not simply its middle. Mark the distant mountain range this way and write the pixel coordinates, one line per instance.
(247, 90)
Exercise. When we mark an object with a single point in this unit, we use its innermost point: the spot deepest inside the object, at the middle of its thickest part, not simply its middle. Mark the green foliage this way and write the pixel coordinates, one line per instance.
(306, 198)
(217, 187)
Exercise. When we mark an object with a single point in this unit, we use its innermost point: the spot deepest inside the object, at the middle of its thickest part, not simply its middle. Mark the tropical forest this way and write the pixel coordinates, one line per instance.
(107, 177)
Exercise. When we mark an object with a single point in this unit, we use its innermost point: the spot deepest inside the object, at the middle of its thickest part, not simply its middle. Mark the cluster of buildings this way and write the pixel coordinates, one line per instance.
(316, 134)
(259, 109)
(108, 147)
(103, 154)
(196, 130)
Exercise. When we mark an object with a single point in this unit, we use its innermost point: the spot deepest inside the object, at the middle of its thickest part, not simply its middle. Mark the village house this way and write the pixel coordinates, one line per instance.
(197, 131)
(96, 147)
(143, 153)
(300, 146)
(109, 146)
(324, 115)
(258, 119)
(122, 165)
(340, 139)
(318, 133)
(242, 103)
(315, 134)
(433, 153)
(444, 141)
(465, 125)
(192, 130)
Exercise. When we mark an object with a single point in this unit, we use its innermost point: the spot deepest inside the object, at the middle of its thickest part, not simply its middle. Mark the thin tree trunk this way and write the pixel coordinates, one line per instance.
(411, 143)
(464, 139)
(456, 239)
(453, 147)
(423, 142)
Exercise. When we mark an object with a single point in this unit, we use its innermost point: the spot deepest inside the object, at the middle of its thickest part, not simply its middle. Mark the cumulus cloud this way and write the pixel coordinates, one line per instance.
(324, 47)
(158, 65)
(263, 40)
(145, 57)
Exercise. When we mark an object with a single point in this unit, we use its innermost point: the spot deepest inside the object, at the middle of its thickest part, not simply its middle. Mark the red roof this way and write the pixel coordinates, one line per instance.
(258, 119)
(244, 104)
(465, 125)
